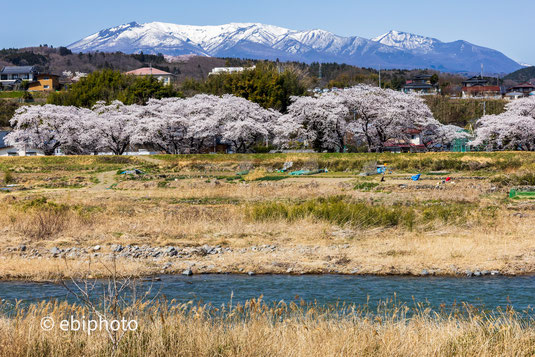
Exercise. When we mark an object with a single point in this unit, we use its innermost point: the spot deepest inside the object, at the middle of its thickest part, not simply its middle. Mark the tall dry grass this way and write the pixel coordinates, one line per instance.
(283, 329)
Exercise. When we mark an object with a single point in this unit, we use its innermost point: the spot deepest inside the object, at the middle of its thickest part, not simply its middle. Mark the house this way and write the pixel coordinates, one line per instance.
(11, 76)
(476, 81)
(6, 150)
(44, 82)
(483, 91)
(520, 90)
(514, 95)
(413, 143)
(164, 77)
(420, 84)
(229, 70)
(478, 87)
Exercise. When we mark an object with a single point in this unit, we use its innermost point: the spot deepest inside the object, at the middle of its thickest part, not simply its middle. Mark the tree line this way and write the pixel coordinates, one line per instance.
(370, 116)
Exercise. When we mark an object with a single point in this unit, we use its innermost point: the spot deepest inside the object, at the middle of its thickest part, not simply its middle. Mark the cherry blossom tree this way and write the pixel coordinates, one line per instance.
(381, 115)
(372, 115)
(524, 107)
(436, 135)
(49, 127)
(74, 77)
(163, 126)
(114, 126)
(322, 122)
(241, 123)
(512, 130)
(190, 125)
(193, 125)
(505, 131)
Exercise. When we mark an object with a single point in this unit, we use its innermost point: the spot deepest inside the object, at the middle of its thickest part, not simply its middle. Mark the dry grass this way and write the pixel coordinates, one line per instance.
(198, 211)
(257, 329)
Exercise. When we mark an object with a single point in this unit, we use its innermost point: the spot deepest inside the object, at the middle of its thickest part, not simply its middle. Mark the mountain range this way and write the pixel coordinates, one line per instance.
(394, 49)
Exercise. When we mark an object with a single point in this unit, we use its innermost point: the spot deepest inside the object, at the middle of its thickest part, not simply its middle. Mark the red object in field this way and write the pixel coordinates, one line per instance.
(448, 179)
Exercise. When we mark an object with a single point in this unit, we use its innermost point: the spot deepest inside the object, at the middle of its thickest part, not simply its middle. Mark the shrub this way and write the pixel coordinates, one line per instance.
(43, 219)
(8, 177)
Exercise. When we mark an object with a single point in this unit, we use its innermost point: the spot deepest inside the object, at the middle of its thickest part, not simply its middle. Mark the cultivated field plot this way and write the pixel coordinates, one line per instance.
(249, 213)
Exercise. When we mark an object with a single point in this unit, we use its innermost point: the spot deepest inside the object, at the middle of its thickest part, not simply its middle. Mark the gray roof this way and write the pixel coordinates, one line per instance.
(2, 134)
(17, 69)
(418, 86)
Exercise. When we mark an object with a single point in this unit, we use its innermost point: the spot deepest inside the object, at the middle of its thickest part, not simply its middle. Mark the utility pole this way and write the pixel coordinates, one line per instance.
(379, 76)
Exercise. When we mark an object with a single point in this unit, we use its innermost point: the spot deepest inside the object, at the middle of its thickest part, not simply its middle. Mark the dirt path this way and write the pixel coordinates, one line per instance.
(150, 159)
(106, 179)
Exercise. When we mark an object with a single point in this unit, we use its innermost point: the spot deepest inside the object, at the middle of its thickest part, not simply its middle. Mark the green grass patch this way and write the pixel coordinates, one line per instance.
(341, 210)
(90, 163)
(521, 179)
(12, 94)
(271, 178)
(355, 162)
(365, 186)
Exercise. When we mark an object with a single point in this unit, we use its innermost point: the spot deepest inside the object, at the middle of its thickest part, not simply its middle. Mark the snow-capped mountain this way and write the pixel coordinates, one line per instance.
(252, 40)
(407, 41)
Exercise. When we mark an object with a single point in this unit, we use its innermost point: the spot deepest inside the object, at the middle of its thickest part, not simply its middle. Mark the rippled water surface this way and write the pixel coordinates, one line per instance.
(488, 292)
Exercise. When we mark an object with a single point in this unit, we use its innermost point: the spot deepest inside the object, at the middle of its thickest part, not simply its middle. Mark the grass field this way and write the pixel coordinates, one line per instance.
(334, 222)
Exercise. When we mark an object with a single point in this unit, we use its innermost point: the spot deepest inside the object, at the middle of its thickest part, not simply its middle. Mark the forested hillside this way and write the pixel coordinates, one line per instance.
(57, 60)
(522, 75)
(271, 84)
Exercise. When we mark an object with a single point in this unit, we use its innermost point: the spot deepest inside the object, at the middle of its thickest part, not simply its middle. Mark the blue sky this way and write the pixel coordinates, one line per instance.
(507, 26)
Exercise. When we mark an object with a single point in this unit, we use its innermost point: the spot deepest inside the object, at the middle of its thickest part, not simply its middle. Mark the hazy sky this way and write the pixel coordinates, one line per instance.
(507, 26)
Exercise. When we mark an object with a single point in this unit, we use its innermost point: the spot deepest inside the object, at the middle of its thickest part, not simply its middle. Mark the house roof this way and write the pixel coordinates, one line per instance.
(422, 76)
(17, 69)
(523, 85)
(482, 89)
(412, 131)
(147, 71)
(419, 86)
(475, 79)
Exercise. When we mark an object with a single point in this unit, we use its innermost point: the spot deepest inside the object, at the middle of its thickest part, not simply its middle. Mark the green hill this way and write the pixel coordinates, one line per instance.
(522, 75)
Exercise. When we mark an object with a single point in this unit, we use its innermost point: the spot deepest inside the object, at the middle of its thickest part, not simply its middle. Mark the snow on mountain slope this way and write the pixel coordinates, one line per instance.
(406, 41)
(253, 40)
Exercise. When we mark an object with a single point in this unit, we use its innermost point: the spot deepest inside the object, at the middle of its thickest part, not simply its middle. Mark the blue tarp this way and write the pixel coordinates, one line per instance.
(132, 172)
(415, 177)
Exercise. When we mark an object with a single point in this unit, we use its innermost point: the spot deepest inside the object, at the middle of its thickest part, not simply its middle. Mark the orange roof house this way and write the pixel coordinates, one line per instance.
(164, 77)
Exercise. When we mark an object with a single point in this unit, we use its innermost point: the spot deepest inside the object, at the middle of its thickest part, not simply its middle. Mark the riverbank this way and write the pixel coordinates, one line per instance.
(196, 213)
(44, 264)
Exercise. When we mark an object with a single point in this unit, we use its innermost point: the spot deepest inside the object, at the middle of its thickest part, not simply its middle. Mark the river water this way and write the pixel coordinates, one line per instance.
(484, 292)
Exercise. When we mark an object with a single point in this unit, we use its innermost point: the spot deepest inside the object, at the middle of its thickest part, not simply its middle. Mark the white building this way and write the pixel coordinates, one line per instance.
(13, 75)
(12, 151)
(230, 70)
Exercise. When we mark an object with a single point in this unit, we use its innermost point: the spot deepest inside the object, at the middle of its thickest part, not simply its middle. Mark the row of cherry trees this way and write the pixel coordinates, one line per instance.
(372, 116)
(512, 130)
(173, 125)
